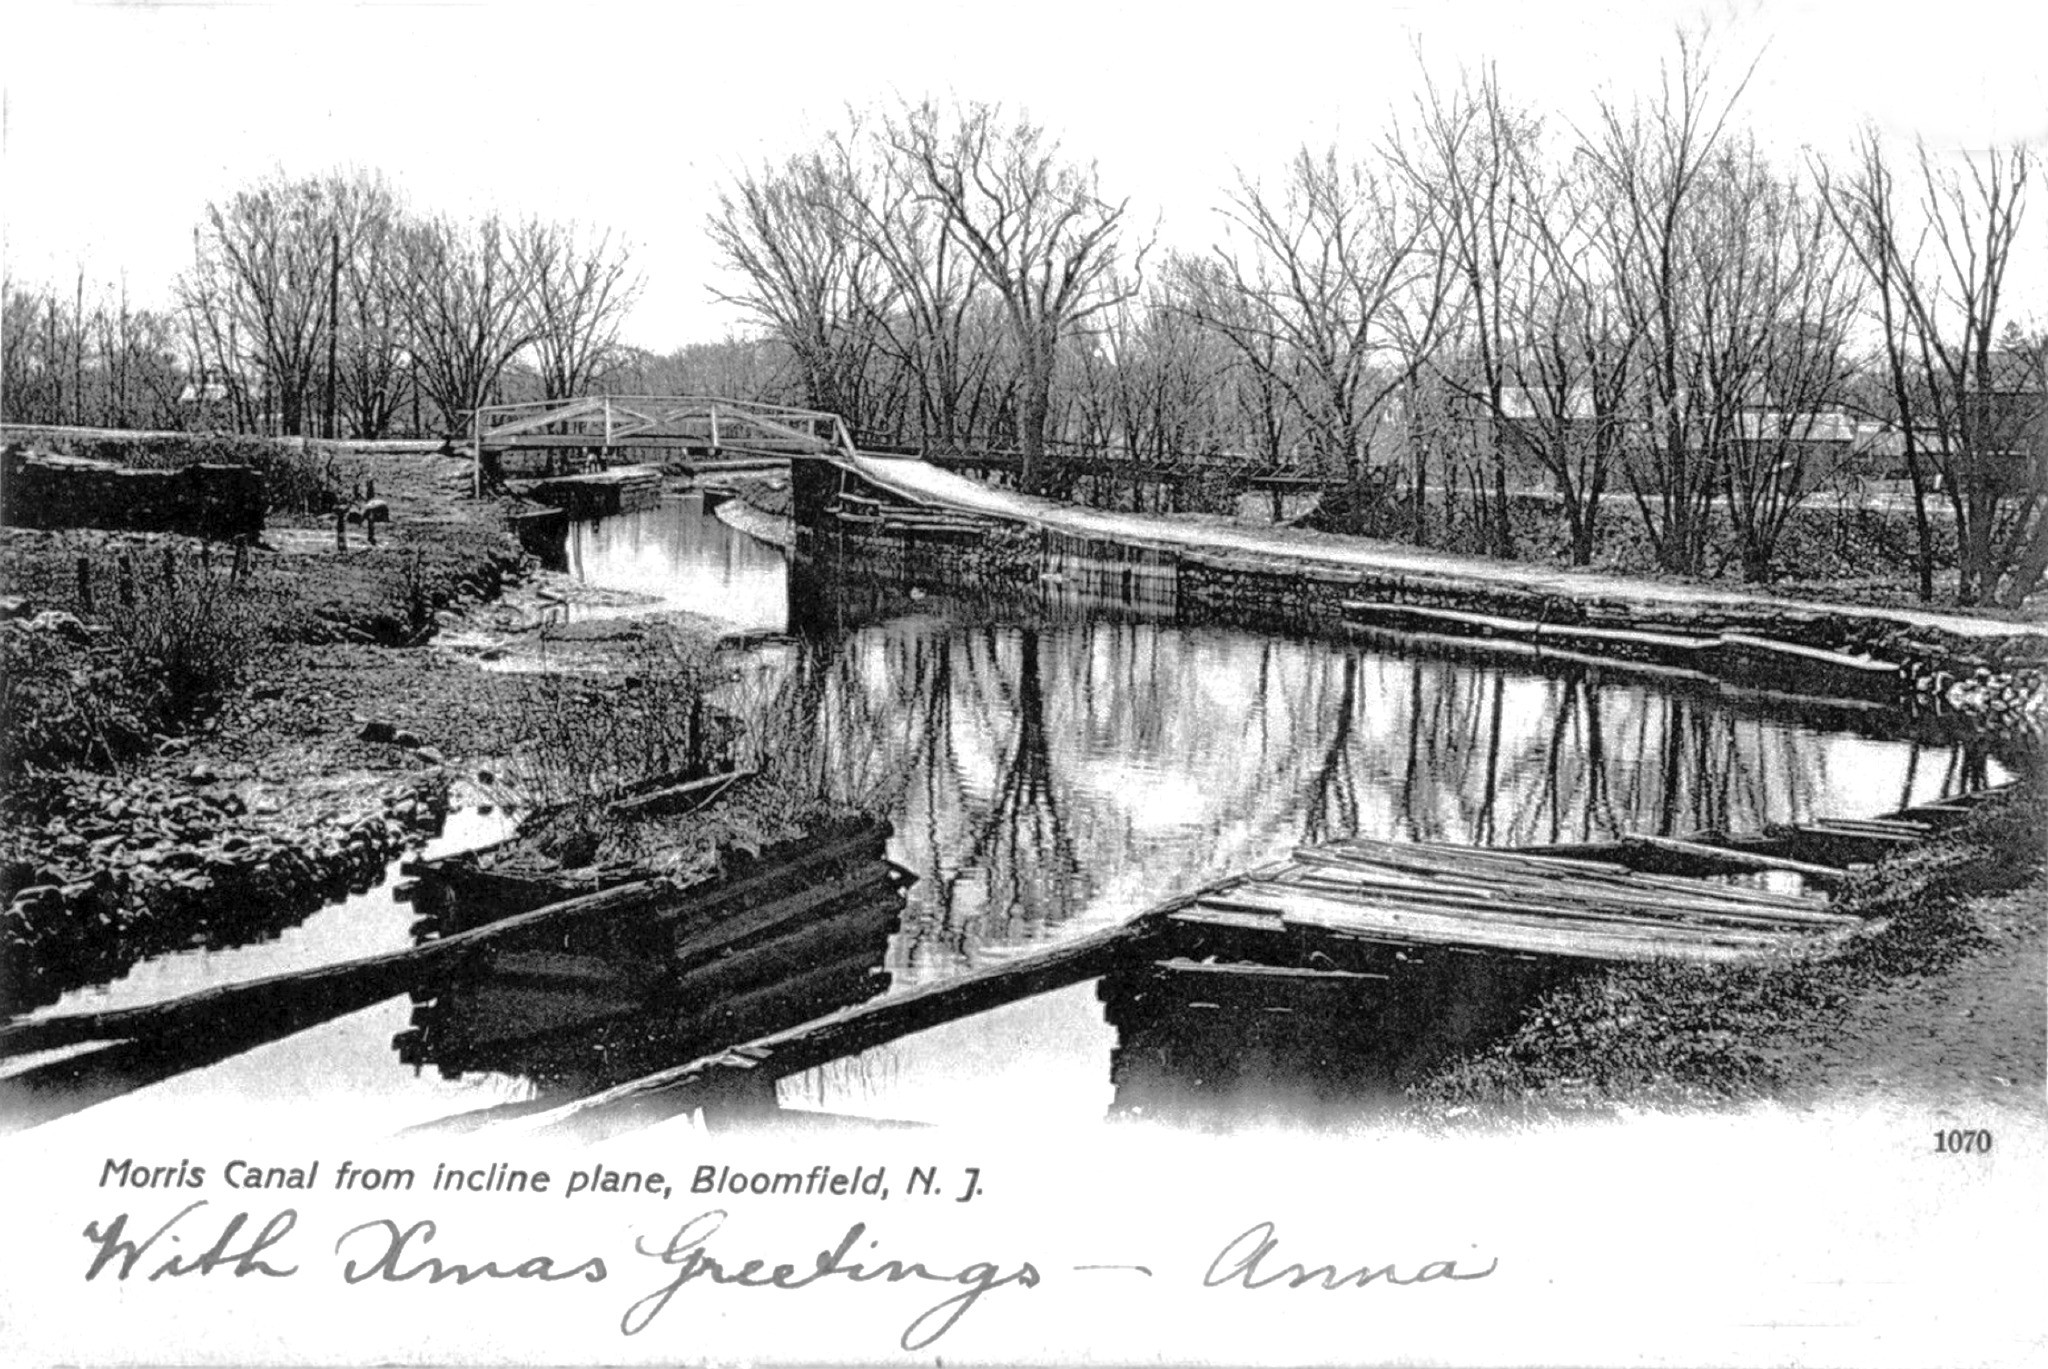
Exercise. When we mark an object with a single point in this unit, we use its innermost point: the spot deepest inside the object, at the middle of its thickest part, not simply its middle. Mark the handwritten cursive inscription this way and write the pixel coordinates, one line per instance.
(114, 1246)
(686, 1255)
(388, 1265)
(1243, 1260)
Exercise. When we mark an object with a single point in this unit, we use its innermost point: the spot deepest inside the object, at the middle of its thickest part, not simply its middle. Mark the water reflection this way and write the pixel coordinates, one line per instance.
(1068, 774)
(575, 1009)
(1051, 766)
(681, 557)
(1212, 1047)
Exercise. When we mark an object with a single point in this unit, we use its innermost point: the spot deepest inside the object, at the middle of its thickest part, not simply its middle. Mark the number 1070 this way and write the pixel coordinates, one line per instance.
(1962, 1142)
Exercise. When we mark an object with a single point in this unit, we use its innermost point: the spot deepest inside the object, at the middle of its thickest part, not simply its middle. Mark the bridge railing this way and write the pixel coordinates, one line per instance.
(606, 421)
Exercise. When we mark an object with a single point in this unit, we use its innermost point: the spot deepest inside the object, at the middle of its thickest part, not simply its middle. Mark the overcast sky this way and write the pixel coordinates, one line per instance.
(122, 121)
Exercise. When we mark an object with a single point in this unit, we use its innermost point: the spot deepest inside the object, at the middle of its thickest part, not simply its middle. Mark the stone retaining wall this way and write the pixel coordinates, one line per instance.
(2001, 682)
(220, 502)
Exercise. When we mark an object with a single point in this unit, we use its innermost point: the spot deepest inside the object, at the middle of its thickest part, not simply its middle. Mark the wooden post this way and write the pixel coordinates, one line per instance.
(476, 453)
(714, 430)
(170, 568)
(124, 581)
(341, 529)
(85, 583)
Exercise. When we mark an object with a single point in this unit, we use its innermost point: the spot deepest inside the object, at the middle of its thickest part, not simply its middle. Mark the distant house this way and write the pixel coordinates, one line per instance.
(195, 395)
(1822, 441)
(2010, 417)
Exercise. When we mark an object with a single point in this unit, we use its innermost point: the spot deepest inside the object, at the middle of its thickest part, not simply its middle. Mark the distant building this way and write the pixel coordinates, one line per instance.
(2010, 417)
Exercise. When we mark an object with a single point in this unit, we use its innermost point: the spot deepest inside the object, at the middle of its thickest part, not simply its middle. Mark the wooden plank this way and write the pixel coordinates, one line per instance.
(1571, 942)
(1621, 885)
(812, 901)
(1826, 874)
(1477, 917)
(1252, 970)
(349, 983)
(852, 1030)
(1563, 903)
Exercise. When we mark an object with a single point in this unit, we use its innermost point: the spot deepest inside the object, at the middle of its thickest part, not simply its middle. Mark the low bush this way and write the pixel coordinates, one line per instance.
(165, 646)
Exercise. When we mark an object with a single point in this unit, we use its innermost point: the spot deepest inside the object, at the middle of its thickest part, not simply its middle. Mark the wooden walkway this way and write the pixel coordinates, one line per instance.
(1428, 894)
(1371, 906)
(1354, 910)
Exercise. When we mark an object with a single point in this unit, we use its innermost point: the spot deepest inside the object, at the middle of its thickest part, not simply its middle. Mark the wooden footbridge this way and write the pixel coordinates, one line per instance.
(690, 432)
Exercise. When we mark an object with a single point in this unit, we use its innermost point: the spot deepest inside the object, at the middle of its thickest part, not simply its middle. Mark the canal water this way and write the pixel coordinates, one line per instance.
(1052, 769)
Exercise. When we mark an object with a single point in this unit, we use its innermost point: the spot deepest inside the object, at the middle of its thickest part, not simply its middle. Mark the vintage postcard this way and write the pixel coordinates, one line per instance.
(1086, 684)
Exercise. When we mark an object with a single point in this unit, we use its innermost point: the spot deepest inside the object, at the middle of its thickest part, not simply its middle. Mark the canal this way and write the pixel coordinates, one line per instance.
(1051, 768)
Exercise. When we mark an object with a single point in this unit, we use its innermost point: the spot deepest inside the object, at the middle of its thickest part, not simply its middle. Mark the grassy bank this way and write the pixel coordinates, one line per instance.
(1674, 1036)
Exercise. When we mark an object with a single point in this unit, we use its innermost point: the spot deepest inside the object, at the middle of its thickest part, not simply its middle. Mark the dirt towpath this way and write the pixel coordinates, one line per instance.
(1651, 599)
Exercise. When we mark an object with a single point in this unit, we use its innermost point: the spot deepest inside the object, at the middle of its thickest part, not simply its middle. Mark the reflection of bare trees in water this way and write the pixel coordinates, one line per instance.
(1084, 770)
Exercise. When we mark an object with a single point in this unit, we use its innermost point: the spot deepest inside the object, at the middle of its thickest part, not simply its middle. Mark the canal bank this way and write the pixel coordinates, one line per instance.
(1940, 1006)
(933, 527)
(1060, 771)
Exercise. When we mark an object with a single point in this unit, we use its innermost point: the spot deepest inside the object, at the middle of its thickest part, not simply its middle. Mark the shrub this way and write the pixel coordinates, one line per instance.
(167, 646)
(574, 743)
(184, 641)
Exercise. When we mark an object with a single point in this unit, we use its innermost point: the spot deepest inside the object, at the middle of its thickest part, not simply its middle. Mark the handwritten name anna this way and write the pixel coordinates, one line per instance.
(1250, 1261)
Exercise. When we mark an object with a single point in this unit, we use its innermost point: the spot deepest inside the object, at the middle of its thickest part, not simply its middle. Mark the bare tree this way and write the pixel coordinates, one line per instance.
(1655, 166)
(1472, 163)
(370, 329)
(88, 358)
(1037, 228)
(466, 310)
(581, 290)
(1785, 353)
(928, 320)
(264, 266)
(1329, 292)
(820, 287)
(1574, 362)
(1938, 267)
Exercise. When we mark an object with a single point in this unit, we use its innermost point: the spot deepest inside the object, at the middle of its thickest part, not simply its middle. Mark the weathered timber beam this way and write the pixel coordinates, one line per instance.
(852, 1030)
(1747, 860)
(350, 983)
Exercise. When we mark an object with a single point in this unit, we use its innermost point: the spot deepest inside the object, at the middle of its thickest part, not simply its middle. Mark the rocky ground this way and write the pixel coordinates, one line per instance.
(339, 742)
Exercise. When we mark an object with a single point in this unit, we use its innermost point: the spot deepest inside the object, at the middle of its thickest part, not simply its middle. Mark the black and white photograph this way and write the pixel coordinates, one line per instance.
(1067, 684)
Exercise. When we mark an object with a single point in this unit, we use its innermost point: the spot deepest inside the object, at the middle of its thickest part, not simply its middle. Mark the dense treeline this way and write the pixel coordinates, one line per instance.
(1641, 320)
(1645, 310)
(325, 306)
